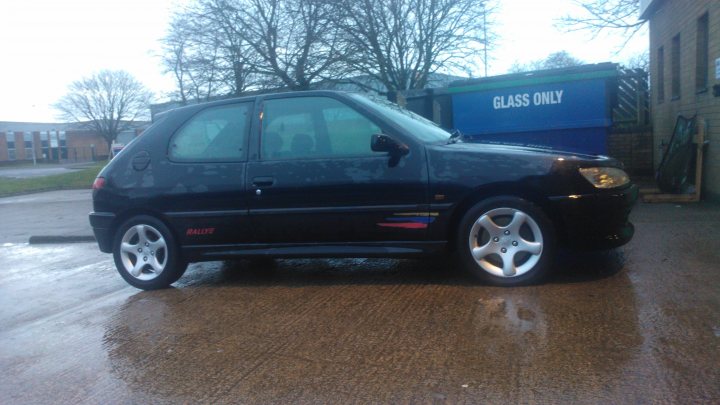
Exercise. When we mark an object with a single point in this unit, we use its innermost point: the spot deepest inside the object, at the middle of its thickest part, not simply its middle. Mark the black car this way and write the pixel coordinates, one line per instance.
(330, 174)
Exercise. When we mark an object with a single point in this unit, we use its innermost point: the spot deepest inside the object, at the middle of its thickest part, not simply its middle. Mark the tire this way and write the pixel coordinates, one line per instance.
(506, 241)
(148, 239)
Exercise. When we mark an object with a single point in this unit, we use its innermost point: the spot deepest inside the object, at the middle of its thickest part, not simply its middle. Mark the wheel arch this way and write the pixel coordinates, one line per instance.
(134, 212)
(509, 189)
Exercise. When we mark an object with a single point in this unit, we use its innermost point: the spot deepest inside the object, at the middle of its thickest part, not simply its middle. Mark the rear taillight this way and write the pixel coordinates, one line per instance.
(99, 183)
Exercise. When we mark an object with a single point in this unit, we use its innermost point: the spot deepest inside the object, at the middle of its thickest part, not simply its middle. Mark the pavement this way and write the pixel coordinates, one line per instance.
(62, 215)
(640, 324)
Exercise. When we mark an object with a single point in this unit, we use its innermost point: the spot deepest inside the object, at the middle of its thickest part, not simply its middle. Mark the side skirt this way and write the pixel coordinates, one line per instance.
(360, 249)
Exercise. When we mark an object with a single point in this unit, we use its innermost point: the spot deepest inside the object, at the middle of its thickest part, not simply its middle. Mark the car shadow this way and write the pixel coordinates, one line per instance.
(586, 266)
(569, 267)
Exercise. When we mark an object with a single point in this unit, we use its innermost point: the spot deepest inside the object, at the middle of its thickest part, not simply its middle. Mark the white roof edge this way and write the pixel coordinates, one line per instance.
(646, 6)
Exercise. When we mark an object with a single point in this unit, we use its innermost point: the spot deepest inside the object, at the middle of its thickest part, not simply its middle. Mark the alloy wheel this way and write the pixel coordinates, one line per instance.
(143, 252)
(506, 242)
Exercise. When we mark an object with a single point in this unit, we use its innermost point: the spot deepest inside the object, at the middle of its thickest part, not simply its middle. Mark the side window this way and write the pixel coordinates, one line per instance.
(349, 132)
(314, 127)
(214, 134)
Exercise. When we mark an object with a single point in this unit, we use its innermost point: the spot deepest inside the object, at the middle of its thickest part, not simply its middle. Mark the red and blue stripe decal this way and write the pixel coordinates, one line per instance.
(409, 220)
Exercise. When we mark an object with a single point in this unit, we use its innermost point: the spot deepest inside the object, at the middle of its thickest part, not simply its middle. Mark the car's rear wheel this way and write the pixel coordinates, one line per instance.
(506, 241)
(146, 254)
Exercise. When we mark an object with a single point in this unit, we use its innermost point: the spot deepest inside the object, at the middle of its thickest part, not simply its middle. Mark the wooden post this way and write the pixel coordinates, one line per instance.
(700, 143)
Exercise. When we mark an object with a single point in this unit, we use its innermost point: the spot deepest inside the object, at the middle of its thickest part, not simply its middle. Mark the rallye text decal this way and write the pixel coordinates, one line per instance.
(199, 231)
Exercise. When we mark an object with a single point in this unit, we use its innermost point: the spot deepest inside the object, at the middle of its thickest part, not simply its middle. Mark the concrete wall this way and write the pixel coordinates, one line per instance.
(681, 17)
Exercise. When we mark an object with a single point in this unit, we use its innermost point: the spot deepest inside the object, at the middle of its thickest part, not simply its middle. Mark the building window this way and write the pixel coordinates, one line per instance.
(44, 144)
(53, 146)
(701, 61)
(63, 145)
(675, 66)
(28, 143)
(660, 75)
(10, 138)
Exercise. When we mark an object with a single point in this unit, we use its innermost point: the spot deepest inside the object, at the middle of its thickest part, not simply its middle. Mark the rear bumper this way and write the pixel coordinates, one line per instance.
(596, 221)
(101, 223)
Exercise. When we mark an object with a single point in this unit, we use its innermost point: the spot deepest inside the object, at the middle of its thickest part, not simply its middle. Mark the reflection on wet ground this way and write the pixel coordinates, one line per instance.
(636, 325)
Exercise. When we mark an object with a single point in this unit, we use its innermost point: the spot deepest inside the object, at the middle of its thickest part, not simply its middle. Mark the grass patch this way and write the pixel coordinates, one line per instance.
(78, 179)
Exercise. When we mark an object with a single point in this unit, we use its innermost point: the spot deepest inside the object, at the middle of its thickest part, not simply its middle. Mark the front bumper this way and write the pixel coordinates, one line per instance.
(101, 223)
(598, 220)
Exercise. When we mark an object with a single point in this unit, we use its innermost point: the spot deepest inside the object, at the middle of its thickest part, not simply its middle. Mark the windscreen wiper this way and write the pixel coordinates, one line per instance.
(455, 136)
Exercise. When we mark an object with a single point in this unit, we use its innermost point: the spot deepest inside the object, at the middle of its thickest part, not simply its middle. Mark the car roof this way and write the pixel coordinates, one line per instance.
(189, 109)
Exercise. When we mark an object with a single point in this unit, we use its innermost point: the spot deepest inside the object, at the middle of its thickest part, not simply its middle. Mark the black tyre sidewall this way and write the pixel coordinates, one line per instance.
(541, 268)
(174, 268)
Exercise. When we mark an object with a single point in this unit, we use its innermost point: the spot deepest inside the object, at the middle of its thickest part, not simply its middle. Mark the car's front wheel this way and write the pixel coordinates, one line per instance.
(146, 254)
(506, 241)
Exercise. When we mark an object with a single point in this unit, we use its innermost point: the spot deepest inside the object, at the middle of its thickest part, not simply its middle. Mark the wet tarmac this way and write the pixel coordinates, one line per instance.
(637, 325)
(51, 213)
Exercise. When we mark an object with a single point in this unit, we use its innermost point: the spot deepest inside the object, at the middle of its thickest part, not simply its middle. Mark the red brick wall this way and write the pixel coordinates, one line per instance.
(79, 146)
(3, 147)
(20, 146)
(82, 141)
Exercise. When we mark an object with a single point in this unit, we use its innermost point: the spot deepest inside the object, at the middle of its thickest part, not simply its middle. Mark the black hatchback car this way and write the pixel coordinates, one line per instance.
(330, 174)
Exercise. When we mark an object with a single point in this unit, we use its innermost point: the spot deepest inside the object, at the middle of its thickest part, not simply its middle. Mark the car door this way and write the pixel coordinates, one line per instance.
(316, 178)
(205, 176)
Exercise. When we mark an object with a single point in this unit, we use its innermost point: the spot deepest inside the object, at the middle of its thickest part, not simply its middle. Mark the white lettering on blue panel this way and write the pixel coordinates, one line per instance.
(511, 101)
(524, 100)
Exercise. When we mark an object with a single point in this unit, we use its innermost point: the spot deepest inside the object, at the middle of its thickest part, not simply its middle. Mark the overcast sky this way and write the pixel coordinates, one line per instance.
(47, 44)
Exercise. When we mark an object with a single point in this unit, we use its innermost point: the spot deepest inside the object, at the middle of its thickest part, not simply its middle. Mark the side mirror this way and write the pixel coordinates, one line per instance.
(384, 143)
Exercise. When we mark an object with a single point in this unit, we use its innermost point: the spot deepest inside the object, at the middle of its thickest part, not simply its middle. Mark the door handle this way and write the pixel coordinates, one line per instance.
(263, 181)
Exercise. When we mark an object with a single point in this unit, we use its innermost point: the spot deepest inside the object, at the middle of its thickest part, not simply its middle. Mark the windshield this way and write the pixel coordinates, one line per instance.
(421, 128)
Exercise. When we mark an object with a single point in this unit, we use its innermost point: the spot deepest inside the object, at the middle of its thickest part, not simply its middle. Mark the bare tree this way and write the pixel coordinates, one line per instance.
(107, 102)
(639, 61)
(400, 42)
(226, 46)
(601, 15)
(560, 60)
(184, 57)
(294, 41)
(206, 55)
(555, 60)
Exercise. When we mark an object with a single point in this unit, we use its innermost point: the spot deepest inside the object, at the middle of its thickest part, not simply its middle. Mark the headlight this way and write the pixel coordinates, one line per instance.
(605, 177)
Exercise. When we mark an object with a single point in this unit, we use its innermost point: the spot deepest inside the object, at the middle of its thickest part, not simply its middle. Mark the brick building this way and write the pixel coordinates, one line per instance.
(54, 142)
(685, 74)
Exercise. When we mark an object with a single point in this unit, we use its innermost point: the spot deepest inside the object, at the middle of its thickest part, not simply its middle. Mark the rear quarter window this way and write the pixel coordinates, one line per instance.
(214, 134)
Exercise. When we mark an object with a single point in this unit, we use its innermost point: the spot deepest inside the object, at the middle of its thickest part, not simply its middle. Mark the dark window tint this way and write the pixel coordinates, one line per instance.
(28, 143)
(314, 127)
(10, 139)
(214, 134)
(675, 66)
(701, 61)
(63, 145)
